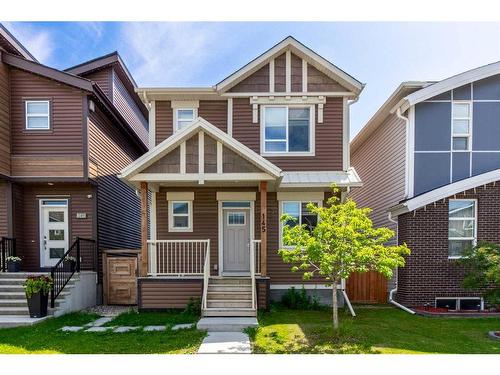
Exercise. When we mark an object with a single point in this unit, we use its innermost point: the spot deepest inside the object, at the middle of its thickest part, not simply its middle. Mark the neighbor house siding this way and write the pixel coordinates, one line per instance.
(104, 79)
(4, 120)
(4, 196)
(380, 162)
(61, 146)
(118, 205)
(328, 153)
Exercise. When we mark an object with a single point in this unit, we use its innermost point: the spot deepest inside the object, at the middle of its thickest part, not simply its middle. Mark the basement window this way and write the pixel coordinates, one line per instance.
(37, 114)
(459, 303)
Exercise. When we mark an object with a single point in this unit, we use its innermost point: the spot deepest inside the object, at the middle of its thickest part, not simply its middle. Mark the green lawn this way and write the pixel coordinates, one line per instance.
(46, 338)
(377, 330)
(169, 318)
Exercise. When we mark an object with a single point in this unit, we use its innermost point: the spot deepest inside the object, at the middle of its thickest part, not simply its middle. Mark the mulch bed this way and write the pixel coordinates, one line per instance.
(437, 312)
(494, 335)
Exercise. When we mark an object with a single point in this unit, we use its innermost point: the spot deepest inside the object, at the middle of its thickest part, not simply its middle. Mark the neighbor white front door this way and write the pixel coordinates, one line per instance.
(54, 234)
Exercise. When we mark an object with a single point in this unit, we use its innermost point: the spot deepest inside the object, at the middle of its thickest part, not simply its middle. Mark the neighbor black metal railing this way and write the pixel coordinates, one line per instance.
(7, 249)
(70, 263)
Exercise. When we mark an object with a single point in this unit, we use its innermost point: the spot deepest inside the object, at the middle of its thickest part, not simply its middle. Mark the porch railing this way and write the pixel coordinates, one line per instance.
(256, 246)
(7, 249)
(178, 257)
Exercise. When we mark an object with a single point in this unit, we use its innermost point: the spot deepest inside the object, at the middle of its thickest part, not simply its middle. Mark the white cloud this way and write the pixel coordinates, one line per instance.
(96, 29)
(39, 43)
(167, 53)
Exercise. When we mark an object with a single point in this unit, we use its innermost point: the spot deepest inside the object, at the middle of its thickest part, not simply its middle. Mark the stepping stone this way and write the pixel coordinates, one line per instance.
(99, 329)
(182, 326)
(125, 329)
(154, 328)
(100, 322)
(225, 343)
(71, 329)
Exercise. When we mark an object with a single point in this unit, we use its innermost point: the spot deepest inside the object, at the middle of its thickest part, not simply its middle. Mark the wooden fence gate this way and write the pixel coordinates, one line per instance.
(120, 278)
(367, 287)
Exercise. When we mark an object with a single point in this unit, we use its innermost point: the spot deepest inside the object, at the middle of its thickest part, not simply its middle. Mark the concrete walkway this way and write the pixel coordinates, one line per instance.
(225, 343)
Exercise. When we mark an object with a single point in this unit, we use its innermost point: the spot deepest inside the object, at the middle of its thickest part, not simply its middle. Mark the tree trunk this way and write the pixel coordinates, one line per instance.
(335, 307)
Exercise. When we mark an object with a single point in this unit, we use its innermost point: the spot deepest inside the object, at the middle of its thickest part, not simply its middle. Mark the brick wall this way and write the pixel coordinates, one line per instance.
(428, 272)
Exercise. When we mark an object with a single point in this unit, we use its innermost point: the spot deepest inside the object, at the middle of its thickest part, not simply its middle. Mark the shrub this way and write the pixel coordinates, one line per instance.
(193, 307)
(299, 300)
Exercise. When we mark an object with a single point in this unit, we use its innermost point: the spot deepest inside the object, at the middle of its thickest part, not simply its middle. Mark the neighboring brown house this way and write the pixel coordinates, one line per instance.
(430, 164)
(225, 162)
(64, 136)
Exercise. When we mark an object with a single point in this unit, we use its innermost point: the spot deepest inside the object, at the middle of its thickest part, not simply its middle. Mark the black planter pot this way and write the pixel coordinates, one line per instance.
(13, 266)
(37, 305)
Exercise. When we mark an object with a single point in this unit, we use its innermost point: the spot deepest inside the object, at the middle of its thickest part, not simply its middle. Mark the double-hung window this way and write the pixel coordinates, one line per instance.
(461, 126)
(37, 114)
(462, 226)
(181, 216)
(184, 116)
(300, 215)
(287, 129)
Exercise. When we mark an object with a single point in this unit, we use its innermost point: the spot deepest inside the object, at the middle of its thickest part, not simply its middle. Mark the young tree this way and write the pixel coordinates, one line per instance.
(483, 265)
(343, 241)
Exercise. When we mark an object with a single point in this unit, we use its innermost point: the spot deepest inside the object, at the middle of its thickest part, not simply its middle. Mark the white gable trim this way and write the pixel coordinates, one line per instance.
(447, 85)
(444, 192)
(290, 44)
(180, 136)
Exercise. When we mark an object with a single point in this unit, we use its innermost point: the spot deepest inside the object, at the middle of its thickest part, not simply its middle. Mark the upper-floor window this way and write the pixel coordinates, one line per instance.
(287, 129)
(37, 114)
(184, 116)
(461, 125)
(462, 226)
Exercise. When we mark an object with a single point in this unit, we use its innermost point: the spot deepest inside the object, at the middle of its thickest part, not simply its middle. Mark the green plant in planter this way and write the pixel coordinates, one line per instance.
(37, 284)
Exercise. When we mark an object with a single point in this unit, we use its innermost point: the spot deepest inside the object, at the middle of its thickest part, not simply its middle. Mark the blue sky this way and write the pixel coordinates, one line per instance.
(201, 54)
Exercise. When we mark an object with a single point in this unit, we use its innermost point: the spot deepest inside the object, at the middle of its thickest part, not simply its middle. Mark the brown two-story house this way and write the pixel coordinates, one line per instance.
(225, 163)
(64, 135)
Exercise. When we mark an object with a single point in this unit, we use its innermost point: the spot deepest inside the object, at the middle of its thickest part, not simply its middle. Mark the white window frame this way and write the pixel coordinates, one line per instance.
(28, 115)
(474, 219)
(171, 216)
(461, 135)
(312, 141)
(176, 115)
(281, 224)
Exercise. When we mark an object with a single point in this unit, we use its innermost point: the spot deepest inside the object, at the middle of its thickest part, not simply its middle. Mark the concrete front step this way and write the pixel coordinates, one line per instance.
(230, 288)
(229, 296)
(230, 281)
(7, 321)
(226, 324)
(232, 312)
(228, 304)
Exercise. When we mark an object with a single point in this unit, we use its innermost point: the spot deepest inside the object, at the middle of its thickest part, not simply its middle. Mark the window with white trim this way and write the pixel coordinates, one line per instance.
(462, 226)
(180, 216)
(300, 215)
(184, 116)
(37, 114)
(461, 125)
(287, 129)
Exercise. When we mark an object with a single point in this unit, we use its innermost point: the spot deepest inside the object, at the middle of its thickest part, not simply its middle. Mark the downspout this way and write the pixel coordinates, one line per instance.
(395, 290)
(347, 301)
(407, 156)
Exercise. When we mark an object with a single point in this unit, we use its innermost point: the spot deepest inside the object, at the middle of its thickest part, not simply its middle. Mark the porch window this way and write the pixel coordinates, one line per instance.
(180, 216)
(184, 116)
(287, 129)
(300, 215)
(37, 115)
(462, 226)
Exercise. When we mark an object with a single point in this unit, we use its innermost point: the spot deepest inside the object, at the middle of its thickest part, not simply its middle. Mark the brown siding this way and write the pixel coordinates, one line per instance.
(118, 205)
(296, 73)
(164, 121)
(280, 73)
(104, 79)
(328, 153)
(47, 166)
(257, 82)
(170, 163)
(3, 208)
(168, 293)
(28, 232)
(380, 163)
(215, 112)
(65, 136)
(4, 120)
(318, 81)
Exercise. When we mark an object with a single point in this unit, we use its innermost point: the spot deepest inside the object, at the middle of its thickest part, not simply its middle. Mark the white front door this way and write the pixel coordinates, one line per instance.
(236, 241)
(54, 234)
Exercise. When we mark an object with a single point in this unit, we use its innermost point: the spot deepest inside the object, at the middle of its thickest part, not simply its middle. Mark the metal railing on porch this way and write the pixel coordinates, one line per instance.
(7, 249)
(178, 257)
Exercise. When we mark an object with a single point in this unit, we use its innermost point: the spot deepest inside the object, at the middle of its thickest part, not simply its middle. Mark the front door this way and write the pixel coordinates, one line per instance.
(53, 231)
(236, 238)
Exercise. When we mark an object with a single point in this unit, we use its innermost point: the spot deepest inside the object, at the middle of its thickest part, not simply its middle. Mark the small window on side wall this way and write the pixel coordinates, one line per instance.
(37, 114)
(180, 218)
(461, 126)
(462, 226)
(184, 116)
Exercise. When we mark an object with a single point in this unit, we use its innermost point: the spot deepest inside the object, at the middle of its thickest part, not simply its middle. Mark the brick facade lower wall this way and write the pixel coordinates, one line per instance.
(428, 272)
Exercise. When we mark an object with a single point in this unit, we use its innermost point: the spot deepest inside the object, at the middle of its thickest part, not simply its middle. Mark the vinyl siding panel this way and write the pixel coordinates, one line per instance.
(66, 134)
(215, 112)
(168, 293)
(164, 120)
(118, 206)
(4, 209)
(296, 73)
(318, 81)
(4, 120)
(380, 163)
(256, 82)
(104, 79)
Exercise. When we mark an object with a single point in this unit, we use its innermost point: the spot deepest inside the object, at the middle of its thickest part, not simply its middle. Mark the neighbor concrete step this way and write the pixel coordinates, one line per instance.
(226, 324)
(21, 302)
(233, 312)
(11, 288)
(230, 281)
(229, 295)
(9, 321)
(20, 275)
(14, 310)
(228, 304)
(21, 295)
